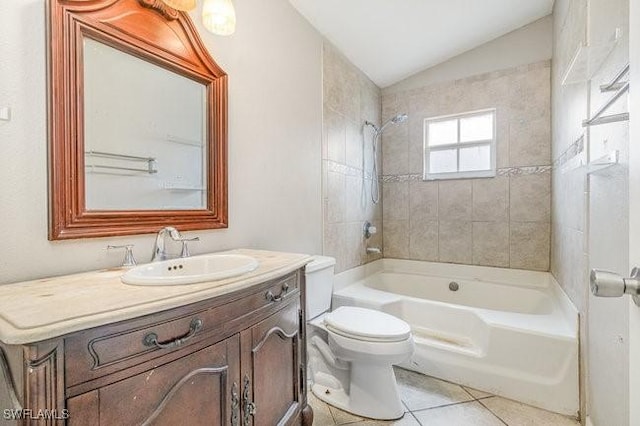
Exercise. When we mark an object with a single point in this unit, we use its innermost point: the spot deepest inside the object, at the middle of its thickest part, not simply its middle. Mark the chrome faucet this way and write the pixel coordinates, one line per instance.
(159, 248)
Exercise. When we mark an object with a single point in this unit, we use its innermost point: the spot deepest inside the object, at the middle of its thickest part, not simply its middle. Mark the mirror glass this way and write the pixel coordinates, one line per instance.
(145, 143)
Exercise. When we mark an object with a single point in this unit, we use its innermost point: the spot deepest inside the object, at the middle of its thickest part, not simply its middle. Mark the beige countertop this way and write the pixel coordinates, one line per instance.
(42, 309)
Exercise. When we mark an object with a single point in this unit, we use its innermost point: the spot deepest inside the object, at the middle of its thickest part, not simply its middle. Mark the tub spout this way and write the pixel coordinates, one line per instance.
(373, 250)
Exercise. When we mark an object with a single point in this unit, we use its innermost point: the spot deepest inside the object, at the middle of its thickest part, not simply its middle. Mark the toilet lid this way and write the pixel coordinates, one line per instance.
(367, 324)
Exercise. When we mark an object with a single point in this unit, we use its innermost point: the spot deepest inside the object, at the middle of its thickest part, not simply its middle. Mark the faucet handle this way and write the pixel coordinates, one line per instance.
(128, 260)
(185, 248)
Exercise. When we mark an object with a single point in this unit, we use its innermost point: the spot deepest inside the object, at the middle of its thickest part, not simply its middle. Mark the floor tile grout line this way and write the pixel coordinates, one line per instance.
(495, 415)
(468, 393)
(442, 406)
(415, 418)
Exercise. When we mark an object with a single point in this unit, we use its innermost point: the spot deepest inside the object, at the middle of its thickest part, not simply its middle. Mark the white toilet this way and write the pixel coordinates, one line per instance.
(352, 350)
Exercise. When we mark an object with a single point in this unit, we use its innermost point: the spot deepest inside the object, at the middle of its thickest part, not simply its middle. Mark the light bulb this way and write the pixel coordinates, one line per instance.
(219, 16)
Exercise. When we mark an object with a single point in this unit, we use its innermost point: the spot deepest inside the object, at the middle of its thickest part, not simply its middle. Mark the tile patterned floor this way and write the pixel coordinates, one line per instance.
(433, 402)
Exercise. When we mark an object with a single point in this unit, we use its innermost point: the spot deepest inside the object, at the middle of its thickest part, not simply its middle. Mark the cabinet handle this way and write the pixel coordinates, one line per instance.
(249, 407)
(235, 404)
(277, 298)
(151, 339)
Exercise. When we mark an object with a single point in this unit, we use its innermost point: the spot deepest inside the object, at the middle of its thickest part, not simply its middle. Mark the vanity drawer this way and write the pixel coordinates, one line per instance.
(107, 349)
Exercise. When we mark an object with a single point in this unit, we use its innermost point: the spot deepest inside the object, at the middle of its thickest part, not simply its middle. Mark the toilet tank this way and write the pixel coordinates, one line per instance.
(319, 280)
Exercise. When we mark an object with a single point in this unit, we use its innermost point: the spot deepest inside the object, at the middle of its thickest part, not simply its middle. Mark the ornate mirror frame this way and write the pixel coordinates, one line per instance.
(154, 32)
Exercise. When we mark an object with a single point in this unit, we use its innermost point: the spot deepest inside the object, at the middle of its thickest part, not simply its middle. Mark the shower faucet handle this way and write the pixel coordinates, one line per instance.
(369, 229)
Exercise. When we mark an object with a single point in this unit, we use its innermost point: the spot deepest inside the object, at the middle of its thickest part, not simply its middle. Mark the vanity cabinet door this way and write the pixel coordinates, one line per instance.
(271, 369)
(202, 388)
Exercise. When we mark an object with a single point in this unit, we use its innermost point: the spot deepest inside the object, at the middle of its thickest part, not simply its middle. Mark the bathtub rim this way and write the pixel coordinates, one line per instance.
(505, 276)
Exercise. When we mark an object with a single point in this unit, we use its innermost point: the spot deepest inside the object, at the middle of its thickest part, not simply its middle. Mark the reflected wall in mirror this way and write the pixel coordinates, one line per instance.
(137, 121)
(147, 152)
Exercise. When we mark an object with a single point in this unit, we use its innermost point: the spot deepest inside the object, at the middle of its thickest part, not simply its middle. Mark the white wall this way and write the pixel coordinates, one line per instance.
(529, 44)
(275, 121)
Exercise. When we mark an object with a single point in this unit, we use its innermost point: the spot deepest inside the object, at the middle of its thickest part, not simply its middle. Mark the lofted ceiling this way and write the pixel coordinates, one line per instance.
(393, 39)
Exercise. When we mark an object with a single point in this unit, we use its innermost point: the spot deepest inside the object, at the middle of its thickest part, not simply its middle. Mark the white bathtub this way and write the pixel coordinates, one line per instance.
(509, 332)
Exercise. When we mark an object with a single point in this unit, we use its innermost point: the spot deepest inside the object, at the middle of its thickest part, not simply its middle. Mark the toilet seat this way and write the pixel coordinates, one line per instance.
(366, 325)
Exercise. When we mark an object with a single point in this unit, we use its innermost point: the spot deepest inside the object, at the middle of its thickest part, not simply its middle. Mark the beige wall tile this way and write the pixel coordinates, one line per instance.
(423, 239)
(396, 201)
(350, 98)
(331, 75)
(370, 101)
(334, 135)
(454, 200)
(491, 244)
(355, 199)
(396, 238)
(372, 211)
(335, 244)
(502, 137)
(423, 200)
(491, 199)
(354, 245)
(455, 242)
(521, 97)
(529, 245)
(529, 141)
(395, 150)
(354, 144)
(336, 197)
(530, 93)
(530, 198)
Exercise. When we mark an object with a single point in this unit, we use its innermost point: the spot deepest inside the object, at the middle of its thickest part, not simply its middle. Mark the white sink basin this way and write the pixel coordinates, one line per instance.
(190, 270)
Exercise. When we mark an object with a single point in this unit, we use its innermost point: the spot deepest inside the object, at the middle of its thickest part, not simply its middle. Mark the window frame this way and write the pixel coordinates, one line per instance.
(458, 145)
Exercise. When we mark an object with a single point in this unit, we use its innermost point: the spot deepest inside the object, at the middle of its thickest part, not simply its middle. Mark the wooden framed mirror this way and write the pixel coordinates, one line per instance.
(137, 121)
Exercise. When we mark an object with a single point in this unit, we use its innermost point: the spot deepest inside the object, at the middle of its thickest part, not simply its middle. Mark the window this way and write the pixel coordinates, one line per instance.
(460, 146)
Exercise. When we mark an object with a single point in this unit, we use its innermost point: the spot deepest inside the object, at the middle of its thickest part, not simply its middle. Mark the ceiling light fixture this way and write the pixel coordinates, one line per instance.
(218, 16)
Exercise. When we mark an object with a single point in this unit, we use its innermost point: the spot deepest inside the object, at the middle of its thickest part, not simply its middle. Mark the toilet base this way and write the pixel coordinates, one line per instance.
(373, 394)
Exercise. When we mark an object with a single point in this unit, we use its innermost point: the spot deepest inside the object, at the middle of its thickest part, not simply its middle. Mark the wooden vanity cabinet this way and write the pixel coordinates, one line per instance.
(237, 359)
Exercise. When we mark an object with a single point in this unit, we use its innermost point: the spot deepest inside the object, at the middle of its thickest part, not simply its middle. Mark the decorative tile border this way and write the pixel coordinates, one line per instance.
(401, 178)
(507, 171)
(574, 150)
(346, 170)
(524, 171)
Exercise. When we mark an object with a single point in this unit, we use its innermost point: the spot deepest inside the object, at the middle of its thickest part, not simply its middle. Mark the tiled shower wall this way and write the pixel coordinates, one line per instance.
(502, 221)
(349, 99)
(590, 211)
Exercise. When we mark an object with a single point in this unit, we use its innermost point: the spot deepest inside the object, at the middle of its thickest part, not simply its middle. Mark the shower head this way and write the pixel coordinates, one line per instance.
(377, 132)
(400, 118)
